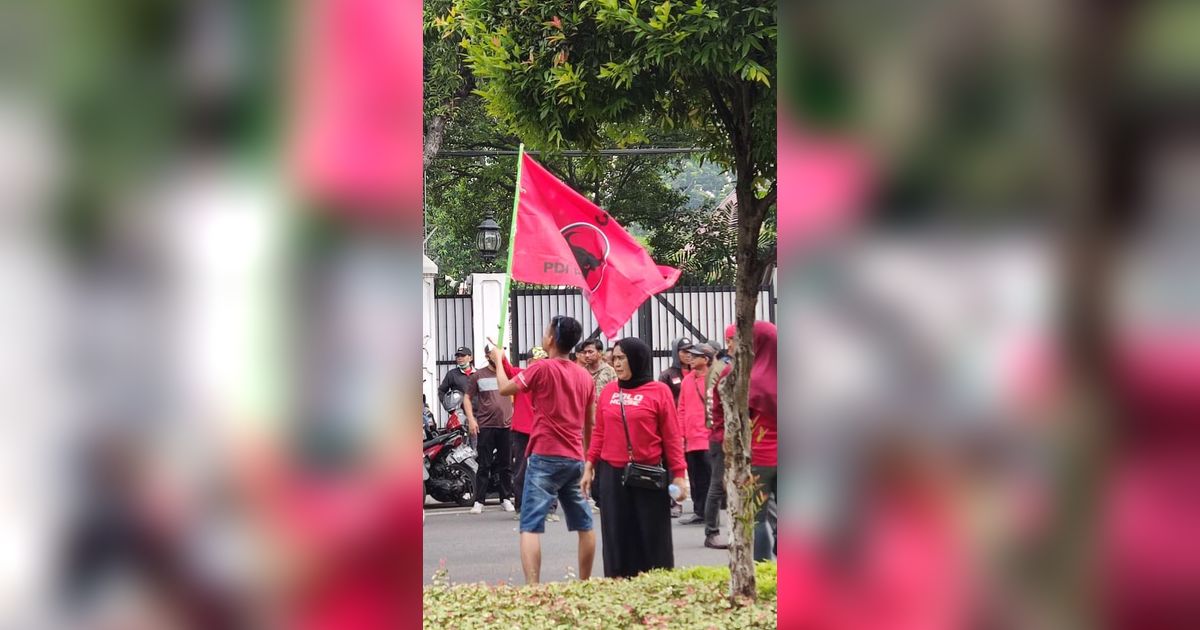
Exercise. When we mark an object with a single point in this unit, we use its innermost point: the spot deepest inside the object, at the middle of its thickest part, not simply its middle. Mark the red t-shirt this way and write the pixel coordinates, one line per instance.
(560, 393)
(650, 412)
(764, 440)
(522, 420)
(691, 413)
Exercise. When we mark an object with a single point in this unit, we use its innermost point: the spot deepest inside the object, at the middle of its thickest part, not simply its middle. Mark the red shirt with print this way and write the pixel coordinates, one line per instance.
(653, 428)
(560, 393)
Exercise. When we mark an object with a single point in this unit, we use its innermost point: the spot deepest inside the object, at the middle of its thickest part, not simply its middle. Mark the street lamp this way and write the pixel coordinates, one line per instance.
(487, 238)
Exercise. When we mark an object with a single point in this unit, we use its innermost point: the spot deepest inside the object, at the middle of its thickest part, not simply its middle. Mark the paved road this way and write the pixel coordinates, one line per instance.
(484, 547)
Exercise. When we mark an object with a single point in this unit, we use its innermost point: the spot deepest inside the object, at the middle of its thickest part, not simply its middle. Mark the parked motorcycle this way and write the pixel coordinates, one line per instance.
(428, 421)
(449, 458)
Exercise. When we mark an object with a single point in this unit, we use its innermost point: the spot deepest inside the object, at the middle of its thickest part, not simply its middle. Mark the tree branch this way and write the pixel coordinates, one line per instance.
(633, 163)
(771, 198)
(723, 111)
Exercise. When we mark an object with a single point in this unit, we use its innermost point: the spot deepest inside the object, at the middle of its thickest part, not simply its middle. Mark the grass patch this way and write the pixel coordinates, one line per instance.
(695, 597)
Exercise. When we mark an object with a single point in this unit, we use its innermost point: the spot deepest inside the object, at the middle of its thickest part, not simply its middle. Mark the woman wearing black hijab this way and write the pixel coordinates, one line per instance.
(636, 527)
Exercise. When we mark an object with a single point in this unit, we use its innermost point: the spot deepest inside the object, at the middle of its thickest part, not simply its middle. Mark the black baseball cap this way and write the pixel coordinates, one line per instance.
(464, 352)
(701, 350)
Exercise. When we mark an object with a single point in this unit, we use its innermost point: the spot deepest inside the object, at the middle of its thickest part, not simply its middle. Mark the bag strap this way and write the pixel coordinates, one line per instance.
(625, 423)
(704, 401)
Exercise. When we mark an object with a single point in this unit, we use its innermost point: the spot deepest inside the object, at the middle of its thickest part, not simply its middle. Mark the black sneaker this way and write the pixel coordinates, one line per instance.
(713, 541)
(676, 511)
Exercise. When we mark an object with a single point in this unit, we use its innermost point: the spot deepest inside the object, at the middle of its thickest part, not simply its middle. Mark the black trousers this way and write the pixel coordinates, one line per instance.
(766, 528)
(500, 441)
(520, 442)
(699, 475)
(716, 488)
(635, 526)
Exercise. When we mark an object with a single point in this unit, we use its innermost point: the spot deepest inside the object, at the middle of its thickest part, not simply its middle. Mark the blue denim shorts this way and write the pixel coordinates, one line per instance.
(547, 477)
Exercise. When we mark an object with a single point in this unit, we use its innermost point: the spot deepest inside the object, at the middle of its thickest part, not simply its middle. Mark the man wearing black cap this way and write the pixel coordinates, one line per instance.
(681, 364)
(460, 376)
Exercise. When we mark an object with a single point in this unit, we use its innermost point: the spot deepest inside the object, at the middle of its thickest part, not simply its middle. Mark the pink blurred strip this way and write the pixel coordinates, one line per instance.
(357, 133)
(823, 184)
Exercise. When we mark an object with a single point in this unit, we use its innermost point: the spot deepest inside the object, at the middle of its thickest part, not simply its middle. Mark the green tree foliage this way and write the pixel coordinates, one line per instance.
(446, 81)
(582, 73)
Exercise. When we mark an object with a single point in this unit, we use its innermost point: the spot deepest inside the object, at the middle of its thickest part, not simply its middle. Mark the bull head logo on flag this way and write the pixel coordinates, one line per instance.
(590, 247)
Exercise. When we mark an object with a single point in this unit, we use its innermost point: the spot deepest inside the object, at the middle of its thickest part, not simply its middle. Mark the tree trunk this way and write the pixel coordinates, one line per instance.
(743, 503)
(1102, 156)
(434, 134)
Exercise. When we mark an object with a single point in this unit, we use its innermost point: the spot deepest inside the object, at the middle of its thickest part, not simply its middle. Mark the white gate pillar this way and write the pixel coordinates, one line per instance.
(429, 329)
(486, 290)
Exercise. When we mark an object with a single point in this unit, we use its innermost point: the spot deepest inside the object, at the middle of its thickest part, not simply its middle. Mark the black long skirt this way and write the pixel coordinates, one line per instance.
(635, 526)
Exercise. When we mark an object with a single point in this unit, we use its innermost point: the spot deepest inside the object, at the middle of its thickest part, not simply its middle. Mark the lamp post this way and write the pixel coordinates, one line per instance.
(487, 238)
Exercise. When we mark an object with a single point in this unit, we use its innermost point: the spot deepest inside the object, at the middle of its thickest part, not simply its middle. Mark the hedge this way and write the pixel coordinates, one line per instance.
(695, 597)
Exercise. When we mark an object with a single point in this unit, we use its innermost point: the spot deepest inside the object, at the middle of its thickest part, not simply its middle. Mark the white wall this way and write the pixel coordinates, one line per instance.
(429, 332)
(486, 305)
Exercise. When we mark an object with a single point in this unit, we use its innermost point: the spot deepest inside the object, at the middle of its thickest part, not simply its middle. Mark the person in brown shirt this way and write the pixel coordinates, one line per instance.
(591, 357)
(489, 416)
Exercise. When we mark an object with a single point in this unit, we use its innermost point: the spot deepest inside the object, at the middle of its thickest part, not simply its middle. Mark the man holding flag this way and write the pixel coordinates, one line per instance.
(559, 237)
(562, 396)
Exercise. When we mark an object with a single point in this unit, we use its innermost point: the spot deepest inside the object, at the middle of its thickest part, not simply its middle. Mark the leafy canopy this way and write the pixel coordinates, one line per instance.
(567, 73)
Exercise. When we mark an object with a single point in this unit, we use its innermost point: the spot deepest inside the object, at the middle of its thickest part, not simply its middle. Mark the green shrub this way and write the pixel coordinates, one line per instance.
(696, 597)
(764, 575)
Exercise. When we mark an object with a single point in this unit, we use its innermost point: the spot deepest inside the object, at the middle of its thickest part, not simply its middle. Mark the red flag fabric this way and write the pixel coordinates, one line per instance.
(562, 238)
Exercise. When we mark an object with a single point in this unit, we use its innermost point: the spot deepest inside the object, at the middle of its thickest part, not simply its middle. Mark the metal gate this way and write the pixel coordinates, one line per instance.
(454, 329)
(699, 313)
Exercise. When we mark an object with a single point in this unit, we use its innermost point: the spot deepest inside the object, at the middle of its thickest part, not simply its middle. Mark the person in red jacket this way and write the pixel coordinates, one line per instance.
(764, 441)
(635, 423)
(694, 417)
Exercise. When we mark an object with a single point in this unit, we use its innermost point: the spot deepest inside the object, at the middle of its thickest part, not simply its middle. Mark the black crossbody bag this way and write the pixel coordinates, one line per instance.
(639, 475)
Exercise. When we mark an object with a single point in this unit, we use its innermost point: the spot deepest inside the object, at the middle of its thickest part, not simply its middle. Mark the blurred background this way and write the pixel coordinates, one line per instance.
(209, 223)
(988, 233)
(988, 225)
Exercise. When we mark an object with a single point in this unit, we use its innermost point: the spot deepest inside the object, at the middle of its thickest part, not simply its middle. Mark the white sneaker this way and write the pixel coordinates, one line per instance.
(478, 509)
(508, 506)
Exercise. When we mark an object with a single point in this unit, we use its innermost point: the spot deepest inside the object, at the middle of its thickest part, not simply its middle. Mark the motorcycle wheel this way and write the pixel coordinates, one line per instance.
(463, 473)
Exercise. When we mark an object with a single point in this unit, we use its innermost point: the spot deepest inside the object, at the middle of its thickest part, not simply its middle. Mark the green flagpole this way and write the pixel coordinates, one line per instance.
(512, 236)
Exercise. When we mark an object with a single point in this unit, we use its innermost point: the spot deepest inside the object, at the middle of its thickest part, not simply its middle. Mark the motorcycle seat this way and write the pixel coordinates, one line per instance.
(445, 437)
